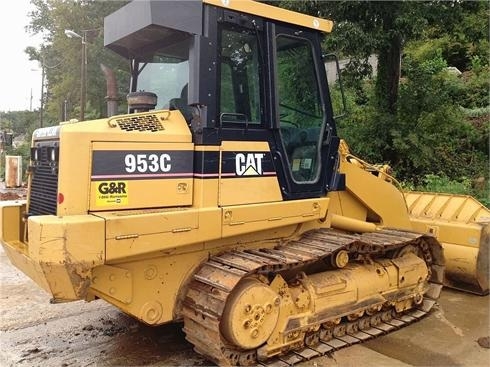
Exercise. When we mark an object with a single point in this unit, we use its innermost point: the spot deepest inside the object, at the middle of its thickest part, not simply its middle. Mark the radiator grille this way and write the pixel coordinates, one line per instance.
(140, 123)
(43, 193)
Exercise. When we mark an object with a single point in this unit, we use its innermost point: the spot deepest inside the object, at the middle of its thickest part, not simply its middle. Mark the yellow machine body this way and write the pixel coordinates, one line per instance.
(130, 256)
(146, 261)
(459, 222)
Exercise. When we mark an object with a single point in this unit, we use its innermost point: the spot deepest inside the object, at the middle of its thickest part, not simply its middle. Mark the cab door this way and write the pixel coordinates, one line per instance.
(306, 142)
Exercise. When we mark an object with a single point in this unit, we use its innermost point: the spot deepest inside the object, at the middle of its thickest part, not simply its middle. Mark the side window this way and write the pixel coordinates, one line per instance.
(300, 107)
(239, 81)
(166, 77)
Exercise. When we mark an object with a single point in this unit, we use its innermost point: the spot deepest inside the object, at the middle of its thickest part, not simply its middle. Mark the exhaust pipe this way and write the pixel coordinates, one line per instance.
(111, 97)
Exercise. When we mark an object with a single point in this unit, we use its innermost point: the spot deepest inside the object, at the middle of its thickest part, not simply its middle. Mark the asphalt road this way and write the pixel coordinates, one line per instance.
(34, 332)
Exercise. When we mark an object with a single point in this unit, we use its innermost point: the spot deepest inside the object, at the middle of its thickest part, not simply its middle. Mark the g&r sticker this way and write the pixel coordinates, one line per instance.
(111, 193)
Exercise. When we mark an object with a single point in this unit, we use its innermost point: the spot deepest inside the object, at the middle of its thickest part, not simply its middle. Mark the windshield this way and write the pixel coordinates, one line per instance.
(166, 77)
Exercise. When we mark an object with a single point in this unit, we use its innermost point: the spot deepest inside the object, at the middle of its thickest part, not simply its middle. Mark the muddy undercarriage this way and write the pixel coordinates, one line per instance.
(305, 298)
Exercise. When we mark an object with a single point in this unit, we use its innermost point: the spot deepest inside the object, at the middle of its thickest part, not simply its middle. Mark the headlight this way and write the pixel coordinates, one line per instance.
(34, 154)
(53, 154)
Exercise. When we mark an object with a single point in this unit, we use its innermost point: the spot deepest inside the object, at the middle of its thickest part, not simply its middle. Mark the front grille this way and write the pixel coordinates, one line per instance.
(43, 193)
(140, 123)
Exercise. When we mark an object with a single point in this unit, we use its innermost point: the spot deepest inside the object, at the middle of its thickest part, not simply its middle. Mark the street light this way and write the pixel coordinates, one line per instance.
(83, 68)
(72, 34)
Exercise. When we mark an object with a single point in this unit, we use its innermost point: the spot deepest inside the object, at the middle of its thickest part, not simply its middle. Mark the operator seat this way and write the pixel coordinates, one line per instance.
(181, 105)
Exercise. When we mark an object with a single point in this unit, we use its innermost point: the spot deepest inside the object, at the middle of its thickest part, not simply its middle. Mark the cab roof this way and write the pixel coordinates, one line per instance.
(275, 13)
(142, 26)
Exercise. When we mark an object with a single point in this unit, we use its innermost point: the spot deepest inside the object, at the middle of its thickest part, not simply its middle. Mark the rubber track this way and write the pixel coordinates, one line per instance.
(215, 280)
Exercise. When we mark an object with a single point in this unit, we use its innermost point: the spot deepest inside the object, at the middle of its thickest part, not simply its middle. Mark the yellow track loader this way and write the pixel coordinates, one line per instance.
(221, 198)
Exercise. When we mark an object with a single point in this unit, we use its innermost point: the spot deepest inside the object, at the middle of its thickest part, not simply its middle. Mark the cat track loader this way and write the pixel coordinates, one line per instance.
(221, 198)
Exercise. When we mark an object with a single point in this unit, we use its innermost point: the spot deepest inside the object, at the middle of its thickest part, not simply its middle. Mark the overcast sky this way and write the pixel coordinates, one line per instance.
(18, 75)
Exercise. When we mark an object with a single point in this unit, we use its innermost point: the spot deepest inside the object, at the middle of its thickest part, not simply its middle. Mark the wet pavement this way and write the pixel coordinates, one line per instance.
(34, 332)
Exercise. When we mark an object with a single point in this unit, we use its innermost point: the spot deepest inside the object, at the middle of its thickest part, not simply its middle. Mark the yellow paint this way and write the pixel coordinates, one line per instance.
(78, 140)
(251, 314)
(146, 193)
(253, 189)
(449, 207)
(274, 13)
(351, 225)
(321, 298)
(255, 217)
(12, 226)
(61, 253)
(141, 232)
(115, 282)
(462, 225)
(381, 197)
(139, 248)
(459, 222)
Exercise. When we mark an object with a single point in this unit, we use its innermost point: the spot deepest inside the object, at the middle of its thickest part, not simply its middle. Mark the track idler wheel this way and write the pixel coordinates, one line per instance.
(340, 259)
(250, 314)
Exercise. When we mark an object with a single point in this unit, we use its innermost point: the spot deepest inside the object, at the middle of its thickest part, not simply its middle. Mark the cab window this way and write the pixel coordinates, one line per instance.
(239, 97)
(300, 108)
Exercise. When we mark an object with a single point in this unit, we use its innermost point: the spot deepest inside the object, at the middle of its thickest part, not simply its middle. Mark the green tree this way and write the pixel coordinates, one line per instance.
(61, 56)
(385, 28)
(19, 122)
(411, 115)
(461, 32)
(372, 27)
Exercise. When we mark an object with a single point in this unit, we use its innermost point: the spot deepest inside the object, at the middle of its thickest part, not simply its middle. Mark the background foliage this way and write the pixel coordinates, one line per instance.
(432, 127)
(61, 56)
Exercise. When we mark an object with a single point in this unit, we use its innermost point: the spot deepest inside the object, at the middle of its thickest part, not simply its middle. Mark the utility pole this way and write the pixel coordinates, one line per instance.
(65, 108)
(41, 108)
(83, 89)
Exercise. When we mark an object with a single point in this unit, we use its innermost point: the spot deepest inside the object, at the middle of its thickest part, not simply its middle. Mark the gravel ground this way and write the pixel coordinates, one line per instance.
(34, 332)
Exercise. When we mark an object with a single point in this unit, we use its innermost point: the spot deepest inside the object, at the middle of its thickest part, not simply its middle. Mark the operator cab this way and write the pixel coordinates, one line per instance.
(236, 75)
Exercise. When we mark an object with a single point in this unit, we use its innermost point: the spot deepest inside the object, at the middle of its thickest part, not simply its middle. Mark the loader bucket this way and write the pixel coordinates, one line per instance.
(462, 225)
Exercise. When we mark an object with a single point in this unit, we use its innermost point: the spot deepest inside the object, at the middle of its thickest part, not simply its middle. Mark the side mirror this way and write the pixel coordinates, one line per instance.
(335, 87)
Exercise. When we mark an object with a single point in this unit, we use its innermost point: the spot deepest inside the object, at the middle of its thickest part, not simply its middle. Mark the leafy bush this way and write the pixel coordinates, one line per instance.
(440, 183)
(436, 183)
(428, 135)
(475, 87)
